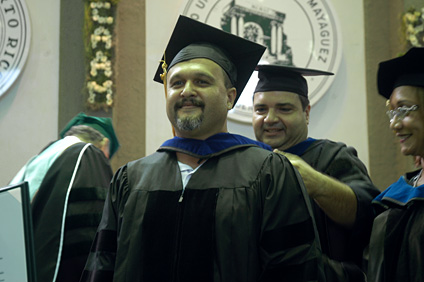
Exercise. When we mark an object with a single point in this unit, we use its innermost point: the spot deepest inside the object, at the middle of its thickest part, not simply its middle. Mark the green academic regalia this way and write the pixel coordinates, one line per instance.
(83, 213)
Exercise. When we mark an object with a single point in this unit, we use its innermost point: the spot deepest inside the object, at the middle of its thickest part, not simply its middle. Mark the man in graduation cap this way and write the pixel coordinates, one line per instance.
(68, 183)
(208, 205)
(397, 238)
(335, 178)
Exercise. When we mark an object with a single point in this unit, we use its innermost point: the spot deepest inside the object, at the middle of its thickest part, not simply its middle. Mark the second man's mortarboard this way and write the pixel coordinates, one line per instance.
(192, 39)
(405, 70)
(285, 78)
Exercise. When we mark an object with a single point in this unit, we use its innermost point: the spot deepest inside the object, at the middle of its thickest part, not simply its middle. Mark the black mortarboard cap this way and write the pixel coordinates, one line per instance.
(285, 78)
(101, 124)
(405, 70)
(192, 39)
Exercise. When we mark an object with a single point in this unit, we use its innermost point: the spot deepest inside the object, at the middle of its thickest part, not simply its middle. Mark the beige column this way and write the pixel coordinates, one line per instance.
(130, 65)
(382, 42)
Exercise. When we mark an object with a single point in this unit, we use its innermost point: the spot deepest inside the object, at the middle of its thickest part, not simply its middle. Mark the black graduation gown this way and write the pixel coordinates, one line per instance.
(342, 248)
(84, 210)
(244, 216)
(397, 239)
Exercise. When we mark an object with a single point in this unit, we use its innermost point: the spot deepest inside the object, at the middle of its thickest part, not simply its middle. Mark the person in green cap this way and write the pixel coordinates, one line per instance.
(68, 183)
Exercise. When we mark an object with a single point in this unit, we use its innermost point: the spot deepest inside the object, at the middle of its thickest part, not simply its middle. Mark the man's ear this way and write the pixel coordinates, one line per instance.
(104, 147)
(307, 111)
(231, 97)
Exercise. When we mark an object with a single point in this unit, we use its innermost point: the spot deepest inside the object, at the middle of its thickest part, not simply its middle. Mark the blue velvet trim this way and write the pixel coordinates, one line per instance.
(301, 147)
(400, 193)
(211, 146)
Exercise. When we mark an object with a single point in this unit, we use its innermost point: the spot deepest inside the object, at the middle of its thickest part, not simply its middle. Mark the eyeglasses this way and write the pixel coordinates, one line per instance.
(400, 112)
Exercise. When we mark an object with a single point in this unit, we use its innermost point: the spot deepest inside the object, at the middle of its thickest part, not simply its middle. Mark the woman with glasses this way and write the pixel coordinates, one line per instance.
(396, 251)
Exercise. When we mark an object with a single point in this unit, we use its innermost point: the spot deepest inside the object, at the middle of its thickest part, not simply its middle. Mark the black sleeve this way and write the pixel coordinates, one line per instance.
(290, 247)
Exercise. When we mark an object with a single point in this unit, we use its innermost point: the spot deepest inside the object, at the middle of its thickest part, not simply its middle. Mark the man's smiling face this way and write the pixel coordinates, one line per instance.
(279, 119)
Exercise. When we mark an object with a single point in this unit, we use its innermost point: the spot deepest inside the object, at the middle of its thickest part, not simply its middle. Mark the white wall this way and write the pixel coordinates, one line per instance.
(29, 110)
(340, 115)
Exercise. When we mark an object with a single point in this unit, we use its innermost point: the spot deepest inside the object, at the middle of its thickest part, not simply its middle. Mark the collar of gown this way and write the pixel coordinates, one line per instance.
(215, 145)
(301, 147)
(400, 193)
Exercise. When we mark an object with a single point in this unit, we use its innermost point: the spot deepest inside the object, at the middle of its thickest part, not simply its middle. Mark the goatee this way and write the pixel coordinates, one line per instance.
(188, 123)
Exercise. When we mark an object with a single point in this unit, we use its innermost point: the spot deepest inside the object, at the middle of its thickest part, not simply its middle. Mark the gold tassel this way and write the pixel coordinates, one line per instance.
(163, 75)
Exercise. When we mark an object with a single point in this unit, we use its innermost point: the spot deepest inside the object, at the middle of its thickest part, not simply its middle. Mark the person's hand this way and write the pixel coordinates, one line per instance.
(310, 176)
(336, 199)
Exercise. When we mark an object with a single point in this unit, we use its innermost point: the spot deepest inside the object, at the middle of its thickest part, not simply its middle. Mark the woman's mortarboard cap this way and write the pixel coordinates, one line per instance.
(405, 70)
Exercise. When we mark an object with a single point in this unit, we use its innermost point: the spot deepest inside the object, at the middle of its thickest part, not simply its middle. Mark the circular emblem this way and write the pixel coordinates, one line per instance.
(300, 33)
(14, 41)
